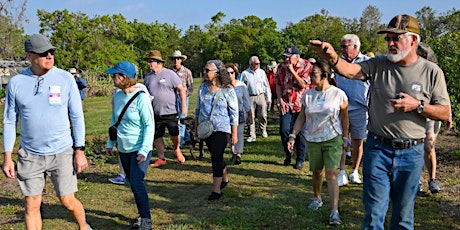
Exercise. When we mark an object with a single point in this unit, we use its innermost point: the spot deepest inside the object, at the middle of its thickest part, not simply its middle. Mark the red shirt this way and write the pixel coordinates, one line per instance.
(271, 81)
(290, 90)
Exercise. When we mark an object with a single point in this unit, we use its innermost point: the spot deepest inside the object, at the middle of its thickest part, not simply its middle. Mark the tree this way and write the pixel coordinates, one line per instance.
(369, 25)
(11, 19)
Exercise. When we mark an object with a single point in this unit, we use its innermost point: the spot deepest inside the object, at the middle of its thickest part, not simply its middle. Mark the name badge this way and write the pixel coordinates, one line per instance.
(55, 95)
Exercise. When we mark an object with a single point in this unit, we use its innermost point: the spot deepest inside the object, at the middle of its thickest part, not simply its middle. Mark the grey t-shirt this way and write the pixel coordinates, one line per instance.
(162, 86)
(422, 80)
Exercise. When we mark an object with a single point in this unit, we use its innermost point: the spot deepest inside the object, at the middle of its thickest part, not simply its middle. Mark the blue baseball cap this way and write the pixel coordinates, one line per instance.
(290, 50)
(124, 67)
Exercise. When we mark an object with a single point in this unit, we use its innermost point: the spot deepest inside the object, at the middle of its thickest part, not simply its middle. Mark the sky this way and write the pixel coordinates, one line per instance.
(184, 13)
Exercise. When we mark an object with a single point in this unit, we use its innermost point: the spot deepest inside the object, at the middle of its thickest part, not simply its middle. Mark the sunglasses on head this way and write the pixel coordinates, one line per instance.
(45, 54)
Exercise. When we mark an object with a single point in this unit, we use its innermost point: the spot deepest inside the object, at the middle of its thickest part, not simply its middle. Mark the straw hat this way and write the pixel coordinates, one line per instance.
(272, 65)
(178, 54)
(155, 54)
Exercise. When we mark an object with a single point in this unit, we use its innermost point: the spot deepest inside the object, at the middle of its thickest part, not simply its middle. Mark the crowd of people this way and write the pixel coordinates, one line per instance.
(395, 102)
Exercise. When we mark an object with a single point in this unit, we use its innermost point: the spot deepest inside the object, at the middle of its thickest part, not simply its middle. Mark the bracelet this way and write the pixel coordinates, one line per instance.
(336, 62)
(292, 135)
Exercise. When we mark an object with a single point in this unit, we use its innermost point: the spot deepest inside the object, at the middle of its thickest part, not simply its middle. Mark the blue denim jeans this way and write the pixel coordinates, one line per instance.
(135, 174)
(183, 133)
(390, 174)
(287, 122)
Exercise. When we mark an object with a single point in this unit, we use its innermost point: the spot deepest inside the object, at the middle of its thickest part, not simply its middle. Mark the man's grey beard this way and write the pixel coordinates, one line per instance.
(399, 56)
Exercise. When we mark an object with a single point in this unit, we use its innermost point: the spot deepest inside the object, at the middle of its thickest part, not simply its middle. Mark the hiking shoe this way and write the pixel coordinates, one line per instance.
(120, 179)
(298, 166)
(224, 184)
(264, 134)
(334, 218)
(315, 203)
(342, 179)
(433, 186)
(214, 196)
(355, 178)
(142, 224)
(251, 139)
(137, 223)
(287, 161)
(158, 162)
(420, 189)
(179, 156)
(238, 160)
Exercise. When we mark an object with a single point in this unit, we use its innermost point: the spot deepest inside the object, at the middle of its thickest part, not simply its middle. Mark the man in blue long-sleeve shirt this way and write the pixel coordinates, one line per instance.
(46, 99)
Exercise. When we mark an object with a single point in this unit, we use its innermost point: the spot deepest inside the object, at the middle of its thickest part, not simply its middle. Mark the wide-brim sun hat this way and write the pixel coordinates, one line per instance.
(156, 55)
(178, 54)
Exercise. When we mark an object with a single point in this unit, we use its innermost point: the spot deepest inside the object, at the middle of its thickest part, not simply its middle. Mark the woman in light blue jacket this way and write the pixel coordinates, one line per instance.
(217, 88)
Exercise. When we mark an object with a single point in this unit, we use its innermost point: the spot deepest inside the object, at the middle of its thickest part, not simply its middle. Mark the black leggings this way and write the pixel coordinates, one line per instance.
(217, 143)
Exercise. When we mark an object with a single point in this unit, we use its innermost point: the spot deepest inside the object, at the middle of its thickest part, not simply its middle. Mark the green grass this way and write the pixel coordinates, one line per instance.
(263, 194)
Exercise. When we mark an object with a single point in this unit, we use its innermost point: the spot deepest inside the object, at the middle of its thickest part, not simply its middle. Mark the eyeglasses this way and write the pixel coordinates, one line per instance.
(231, 72)
(45, 54)
(150, 60)
(258, 63)
(38, 87)
(345, 46)
(208, 70)
(394, 38)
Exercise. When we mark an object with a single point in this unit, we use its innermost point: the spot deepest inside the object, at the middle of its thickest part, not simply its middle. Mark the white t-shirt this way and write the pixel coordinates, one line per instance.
(322, 111)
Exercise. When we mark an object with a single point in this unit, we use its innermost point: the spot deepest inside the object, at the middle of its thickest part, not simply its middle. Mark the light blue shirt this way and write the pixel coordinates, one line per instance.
(244, 102)
(226, 111)
(44, 105)
(357, 91)
(257, 83)
(137, 128)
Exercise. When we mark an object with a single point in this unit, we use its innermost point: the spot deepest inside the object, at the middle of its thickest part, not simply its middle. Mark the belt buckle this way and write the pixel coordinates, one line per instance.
(398, 143)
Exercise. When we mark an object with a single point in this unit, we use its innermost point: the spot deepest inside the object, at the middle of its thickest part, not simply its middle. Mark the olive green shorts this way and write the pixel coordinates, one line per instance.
(325, 154)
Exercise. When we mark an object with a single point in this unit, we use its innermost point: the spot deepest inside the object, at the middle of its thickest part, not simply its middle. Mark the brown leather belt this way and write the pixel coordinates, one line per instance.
(398, 143)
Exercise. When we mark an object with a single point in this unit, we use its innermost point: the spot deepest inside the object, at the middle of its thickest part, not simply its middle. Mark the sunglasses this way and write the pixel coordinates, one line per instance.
(393, 38)
(209, 70)
(256, 63)
(345, 46)
(176, 58)
(44, 54)
(38, 87)
(150, 60)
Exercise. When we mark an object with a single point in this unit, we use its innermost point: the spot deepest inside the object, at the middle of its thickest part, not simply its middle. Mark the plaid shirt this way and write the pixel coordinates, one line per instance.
(291, 92)
(186, 77)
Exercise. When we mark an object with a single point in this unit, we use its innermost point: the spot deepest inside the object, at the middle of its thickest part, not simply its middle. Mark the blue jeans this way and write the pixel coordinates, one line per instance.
(390, 174)
(135, 174)
(183, 133)
(287, 122)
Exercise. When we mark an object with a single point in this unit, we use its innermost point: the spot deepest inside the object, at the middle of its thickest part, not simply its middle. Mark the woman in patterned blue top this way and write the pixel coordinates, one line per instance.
(217, 86)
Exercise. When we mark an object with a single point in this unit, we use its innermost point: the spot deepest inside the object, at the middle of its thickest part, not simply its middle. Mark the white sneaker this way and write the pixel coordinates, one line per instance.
(264, 134)
(355, 178)
(342, 179)
(251, 139)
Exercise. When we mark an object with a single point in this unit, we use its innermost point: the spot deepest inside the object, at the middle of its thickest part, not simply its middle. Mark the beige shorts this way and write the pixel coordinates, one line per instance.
(33, 169)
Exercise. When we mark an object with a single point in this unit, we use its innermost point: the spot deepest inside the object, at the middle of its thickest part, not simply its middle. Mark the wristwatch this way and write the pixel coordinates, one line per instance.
(421, 105)
(82, 148)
